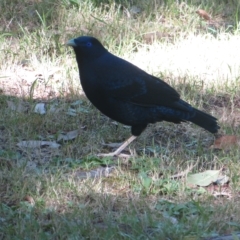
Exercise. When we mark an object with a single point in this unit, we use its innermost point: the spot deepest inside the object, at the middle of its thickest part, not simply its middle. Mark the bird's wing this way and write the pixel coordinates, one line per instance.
(142, 89)
(148, 92)
(126, 82)
(154, 91)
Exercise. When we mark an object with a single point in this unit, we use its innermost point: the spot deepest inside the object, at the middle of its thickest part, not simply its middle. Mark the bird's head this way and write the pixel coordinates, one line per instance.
(86, 48)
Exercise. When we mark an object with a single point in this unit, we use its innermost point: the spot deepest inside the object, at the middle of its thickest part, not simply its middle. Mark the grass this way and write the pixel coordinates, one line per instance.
(49, 193)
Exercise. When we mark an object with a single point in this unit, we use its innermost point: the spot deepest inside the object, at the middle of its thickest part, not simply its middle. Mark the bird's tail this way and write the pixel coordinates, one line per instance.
(205, 121)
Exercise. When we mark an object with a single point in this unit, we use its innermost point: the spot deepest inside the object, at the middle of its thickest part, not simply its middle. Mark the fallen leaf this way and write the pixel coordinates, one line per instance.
(222, 194)
(29, 199)
(232, 236)
(203, 179)
(171, 219)
(11, 105)
(76, 108)
(226, 142)
(53, 108)
(202, 13)
(18, 107)
(76, 103)
(71, 112)
(135, 10)
(68, 136)
(40, 108)
(218, 188)
(96, 173)
(222, 180)
(153, 36)
(37, 144)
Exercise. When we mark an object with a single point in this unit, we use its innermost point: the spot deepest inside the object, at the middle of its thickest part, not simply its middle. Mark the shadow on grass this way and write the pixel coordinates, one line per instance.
(42, 196)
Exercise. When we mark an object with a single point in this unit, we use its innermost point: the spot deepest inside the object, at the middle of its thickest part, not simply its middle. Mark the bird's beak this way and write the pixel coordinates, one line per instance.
(71, 43)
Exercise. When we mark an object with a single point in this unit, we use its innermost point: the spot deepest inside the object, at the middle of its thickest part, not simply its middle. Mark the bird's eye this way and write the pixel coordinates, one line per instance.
(88, 44)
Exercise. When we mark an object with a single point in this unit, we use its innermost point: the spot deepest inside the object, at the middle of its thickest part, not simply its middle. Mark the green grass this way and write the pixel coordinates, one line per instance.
(44, 192)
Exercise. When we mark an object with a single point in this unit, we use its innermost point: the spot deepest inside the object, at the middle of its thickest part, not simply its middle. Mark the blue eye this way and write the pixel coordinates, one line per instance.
(88, 44)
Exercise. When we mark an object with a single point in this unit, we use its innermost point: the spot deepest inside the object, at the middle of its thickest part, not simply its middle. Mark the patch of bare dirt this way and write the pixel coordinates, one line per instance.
(25, 82)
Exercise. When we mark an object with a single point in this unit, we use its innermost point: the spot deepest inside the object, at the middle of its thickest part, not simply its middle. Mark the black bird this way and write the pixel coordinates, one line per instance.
(129, 95)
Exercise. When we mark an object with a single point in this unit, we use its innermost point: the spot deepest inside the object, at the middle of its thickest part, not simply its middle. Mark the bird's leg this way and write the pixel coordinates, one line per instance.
(120, 149)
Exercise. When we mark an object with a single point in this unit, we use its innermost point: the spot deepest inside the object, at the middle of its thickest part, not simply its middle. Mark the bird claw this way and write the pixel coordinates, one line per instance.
(118, 153)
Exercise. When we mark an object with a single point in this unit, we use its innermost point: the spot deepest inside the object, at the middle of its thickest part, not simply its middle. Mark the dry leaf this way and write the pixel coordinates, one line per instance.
(96, 173)
(135, 10)
(37, 144)
(226, 142)
(203, 179)
(68, 136)
(219, 190)
(29, 199)
(203, 14)
(72, 112)
(18, 107)
(40, 108)
(154, 36)
(222, 194)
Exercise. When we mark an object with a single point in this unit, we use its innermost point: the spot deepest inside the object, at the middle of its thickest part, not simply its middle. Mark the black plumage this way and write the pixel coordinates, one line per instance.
(129, 95)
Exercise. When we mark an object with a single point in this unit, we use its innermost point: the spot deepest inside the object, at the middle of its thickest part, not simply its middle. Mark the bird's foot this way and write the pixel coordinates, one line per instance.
(118, 153)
